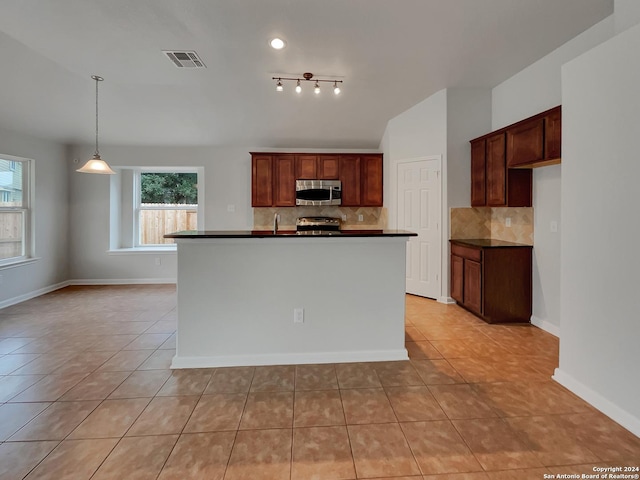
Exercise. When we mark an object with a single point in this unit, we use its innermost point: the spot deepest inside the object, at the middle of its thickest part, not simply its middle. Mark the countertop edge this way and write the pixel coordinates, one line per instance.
(266, 234)
(487, 243)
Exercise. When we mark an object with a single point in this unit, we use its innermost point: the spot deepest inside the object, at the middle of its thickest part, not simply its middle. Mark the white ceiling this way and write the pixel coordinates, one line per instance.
(391, 54)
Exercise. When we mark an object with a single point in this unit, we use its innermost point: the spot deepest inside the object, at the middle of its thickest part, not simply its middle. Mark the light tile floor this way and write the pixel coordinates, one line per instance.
(86, 392)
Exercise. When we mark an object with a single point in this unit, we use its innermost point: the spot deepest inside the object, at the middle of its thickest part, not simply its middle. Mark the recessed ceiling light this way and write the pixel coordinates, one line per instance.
(277, 43)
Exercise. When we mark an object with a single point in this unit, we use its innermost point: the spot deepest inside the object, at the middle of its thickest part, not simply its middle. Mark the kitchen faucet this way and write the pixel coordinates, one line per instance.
(275, 223)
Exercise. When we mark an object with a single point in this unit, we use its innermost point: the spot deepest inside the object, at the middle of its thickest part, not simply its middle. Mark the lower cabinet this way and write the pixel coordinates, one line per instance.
(492, 279)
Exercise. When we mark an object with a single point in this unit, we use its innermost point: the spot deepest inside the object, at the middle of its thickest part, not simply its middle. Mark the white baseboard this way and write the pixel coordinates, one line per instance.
(121, 281)
(447, 300)
(35, 293)
(546, 326)
(606, 406)
(288, 358)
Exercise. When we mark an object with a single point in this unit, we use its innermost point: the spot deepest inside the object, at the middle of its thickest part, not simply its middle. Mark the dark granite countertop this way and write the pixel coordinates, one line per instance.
(285, 234)
(486, 243)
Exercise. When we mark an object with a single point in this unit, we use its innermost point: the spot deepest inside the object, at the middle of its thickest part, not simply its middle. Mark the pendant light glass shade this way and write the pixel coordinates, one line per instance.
(96, 164)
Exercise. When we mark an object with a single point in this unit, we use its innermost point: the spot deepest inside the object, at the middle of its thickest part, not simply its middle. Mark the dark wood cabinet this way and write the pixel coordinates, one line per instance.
(496, 175)
(501, 161)
(525, 143)
(306, 167)
(322, 167)
(493, 282)
(273, 177)
(350, 178)
(553, 136)
(329, 167)
(457, 278)
(492, 183)
(284, 185)
(478, 173)
(472, 285)
(261, 181)
(371, 179)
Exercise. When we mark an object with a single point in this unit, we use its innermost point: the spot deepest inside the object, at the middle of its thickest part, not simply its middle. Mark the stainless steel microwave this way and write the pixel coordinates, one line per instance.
(318, 192)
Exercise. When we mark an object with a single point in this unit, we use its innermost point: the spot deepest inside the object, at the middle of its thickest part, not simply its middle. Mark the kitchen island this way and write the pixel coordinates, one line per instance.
(255, 298)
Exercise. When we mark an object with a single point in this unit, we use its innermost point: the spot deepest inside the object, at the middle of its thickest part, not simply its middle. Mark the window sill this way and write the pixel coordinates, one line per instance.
(169, 250)
(18, 263)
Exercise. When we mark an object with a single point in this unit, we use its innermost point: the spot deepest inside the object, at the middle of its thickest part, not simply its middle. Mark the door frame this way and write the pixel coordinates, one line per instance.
(438, 160)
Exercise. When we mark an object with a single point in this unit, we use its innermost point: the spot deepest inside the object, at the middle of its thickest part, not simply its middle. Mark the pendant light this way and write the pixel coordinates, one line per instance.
(96, 164)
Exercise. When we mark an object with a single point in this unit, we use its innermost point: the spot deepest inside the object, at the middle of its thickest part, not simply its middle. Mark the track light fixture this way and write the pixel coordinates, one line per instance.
(306, 77)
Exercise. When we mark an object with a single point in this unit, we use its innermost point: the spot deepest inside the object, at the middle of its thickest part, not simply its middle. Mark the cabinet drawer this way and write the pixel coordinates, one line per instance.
(467, 252)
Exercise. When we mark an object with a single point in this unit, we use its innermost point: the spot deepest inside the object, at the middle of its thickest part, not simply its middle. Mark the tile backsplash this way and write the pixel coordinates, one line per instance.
(373, 218)
(490, 222)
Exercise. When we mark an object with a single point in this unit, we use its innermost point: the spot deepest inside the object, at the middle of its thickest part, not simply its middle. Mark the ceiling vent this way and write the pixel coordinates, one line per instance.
(184, 58)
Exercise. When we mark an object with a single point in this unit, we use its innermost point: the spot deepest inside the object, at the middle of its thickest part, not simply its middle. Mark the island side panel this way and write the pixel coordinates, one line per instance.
(236, 301)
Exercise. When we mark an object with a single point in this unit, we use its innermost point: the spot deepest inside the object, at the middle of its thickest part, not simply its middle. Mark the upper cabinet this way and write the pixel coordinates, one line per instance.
(261, 180)
(321, 167)
(350, 178)
(492, 183)
(536, 141)
(478, 172)
(284, 181)
(273, 177)
(371, 189)
(501, 161)
(525, 143)
(553, 136)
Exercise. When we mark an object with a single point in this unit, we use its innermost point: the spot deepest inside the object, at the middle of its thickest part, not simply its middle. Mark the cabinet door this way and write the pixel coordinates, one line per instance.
(496, 171)
(350, 178)
(306, 167)
(457, 275)
(371, 181)
(472, 288)
(261, 181)
(478, 173)
(524, 143)
(553, 134)
(328, 167)
(284, 181)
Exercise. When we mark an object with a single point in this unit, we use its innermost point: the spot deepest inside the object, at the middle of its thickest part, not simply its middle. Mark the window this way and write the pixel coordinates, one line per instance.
(165, 201)
(15, 210)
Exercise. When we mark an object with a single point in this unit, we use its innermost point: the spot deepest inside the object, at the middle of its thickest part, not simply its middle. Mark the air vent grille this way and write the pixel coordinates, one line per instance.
(184, 58)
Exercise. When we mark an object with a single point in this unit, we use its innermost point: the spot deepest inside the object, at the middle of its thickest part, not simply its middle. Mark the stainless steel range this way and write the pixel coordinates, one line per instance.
(317, 226)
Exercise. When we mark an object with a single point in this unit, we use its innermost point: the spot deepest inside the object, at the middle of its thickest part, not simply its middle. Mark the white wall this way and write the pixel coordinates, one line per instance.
(441, 125)
(533, 90)
(627, 14)
(50, 216)
(227, 182)
(599, 354)
(468, 117)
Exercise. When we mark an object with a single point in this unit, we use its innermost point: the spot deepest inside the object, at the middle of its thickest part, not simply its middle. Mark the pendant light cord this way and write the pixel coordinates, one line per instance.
(96, 79)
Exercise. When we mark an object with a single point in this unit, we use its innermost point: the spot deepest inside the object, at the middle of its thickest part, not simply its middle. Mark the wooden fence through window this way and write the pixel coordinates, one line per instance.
(154, 224)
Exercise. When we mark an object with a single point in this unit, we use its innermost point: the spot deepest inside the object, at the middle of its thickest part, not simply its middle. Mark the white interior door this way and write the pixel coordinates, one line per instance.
(419, 207)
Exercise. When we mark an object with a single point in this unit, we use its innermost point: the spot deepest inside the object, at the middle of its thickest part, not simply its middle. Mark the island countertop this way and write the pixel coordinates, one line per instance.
(285, 234)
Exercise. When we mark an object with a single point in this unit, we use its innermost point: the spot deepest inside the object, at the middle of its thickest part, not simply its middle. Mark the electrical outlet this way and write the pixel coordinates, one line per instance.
(344, 218)
(231, 208)
(360, 218)
(158, 261)
(507, 222)
(298, 315)
(553, 226)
